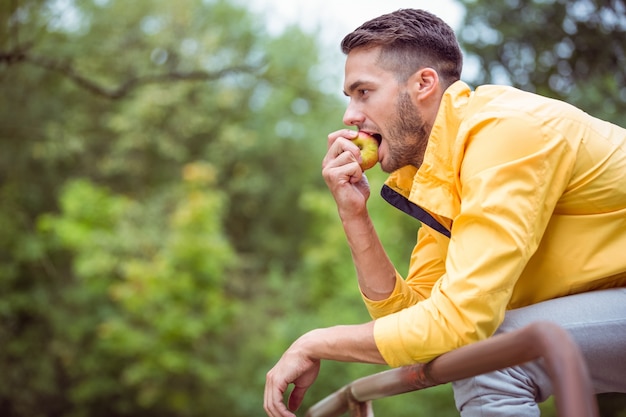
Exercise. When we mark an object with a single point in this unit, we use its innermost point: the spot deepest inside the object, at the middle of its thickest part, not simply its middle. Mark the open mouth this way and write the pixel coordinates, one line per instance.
(378, 138)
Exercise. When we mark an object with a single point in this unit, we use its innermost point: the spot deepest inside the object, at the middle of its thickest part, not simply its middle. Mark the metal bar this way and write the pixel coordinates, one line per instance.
(563, 361)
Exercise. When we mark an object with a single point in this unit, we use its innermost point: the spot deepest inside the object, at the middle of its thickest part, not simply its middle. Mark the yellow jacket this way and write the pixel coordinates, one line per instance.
(522, 199)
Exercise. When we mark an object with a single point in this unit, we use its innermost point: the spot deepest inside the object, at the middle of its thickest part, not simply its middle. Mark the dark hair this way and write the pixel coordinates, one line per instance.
(410, 39)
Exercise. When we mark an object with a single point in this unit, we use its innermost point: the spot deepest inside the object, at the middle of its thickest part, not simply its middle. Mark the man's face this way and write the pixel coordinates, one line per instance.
(381, 106)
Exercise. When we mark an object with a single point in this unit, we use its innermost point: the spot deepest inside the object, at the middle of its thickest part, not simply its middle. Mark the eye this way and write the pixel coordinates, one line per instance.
(363, 94)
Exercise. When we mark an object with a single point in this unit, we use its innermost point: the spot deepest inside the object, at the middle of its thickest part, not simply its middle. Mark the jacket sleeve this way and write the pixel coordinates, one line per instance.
(510, 176)
(425, 268)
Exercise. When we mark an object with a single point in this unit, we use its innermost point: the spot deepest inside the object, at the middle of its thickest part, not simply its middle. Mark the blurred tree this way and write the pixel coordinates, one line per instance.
(121, 295)
(571, 50)
(156, 272)
(165, 229)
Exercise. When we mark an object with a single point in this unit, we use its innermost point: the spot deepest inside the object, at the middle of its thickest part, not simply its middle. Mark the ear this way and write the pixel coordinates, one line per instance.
(424, 84)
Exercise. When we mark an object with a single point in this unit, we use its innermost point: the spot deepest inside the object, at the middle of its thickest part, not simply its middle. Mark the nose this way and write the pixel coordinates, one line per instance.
(353, 116)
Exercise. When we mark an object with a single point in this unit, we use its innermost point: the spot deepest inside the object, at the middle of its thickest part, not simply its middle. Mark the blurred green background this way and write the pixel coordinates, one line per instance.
(165, 232)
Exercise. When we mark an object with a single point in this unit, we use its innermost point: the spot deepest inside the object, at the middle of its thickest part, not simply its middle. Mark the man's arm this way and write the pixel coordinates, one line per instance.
(348, 185)
(300, 364)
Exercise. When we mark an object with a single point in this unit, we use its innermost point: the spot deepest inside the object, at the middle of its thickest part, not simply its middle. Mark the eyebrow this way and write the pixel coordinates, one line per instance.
(355, 85)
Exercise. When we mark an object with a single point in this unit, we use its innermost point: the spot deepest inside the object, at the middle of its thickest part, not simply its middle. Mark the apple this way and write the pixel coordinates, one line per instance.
(369, 149)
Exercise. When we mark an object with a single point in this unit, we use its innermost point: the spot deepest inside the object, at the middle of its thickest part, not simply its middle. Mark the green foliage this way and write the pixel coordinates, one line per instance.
(157, 270)
(166, 232)
(137, 289)
(571, 50)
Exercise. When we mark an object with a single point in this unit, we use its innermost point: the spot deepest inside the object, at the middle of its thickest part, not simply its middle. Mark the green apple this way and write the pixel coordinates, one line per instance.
(369, 149)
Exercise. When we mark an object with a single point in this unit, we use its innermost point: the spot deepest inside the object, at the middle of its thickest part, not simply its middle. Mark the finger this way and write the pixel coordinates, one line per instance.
(342, 133)
(273, 399)
(338, 140)
(344, 169)
(363, 185)
(296, 397)
(341, 149)
(274, 407)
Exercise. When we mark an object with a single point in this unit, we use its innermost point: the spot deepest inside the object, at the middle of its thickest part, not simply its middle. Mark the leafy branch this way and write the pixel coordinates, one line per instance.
(124, 88)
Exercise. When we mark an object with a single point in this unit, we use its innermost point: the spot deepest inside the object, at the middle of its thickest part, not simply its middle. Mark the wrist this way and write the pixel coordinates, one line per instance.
(307, 345)
(352, 209)
(355, 220)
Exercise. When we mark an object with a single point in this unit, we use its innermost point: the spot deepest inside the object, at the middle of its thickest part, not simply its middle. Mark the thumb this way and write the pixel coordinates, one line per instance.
(296, 397)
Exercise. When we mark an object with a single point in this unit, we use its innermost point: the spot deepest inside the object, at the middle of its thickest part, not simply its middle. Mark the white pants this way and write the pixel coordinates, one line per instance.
(597, 322)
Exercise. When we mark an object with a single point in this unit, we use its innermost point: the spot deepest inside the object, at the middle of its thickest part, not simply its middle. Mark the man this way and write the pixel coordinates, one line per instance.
(522, 201)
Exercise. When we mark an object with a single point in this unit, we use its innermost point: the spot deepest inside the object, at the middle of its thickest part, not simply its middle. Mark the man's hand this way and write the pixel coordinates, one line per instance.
(300, 364)
(342, 173)
(293, 367)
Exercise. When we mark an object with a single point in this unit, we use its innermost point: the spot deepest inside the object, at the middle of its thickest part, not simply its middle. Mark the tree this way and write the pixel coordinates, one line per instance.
(571, 50)
(128, 287)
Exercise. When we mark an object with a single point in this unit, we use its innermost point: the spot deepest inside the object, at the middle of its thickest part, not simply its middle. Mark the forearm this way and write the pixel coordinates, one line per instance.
(375, 273)
(348, 343)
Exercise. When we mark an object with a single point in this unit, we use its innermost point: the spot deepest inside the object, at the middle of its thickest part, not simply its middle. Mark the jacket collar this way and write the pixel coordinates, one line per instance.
(433, 187)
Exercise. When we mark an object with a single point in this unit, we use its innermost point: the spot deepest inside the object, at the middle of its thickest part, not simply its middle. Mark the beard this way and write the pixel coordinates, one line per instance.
(409, 135)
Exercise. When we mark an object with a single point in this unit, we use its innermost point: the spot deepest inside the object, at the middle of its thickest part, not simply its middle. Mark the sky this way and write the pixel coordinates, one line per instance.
(335, 18)
(331, 20)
